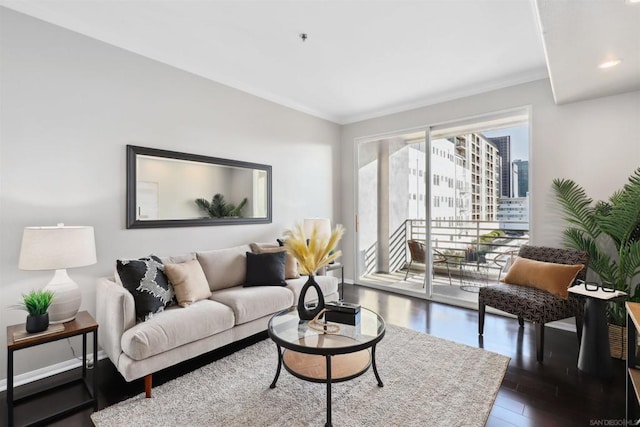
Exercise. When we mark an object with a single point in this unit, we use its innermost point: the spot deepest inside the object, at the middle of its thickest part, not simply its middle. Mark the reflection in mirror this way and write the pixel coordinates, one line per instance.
(170, 189)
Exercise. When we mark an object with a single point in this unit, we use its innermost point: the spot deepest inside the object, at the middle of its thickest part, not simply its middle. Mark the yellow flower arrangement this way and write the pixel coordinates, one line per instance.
(317, 253)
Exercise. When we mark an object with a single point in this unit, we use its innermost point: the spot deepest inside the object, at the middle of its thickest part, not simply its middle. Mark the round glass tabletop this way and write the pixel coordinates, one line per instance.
(287, 330)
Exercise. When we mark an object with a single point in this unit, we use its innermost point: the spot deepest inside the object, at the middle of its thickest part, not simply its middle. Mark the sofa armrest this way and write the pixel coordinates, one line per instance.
(115, 312)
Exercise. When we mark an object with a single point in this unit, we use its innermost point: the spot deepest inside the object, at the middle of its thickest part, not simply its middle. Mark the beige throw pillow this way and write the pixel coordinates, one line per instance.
(548, 276)
(290, 263)
(189, 282)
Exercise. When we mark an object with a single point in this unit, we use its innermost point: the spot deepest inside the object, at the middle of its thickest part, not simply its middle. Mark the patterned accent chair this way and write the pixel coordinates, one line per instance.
(534, 305)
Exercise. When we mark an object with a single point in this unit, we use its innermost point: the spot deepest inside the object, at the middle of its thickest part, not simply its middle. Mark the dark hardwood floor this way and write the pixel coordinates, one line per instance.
(555, 393)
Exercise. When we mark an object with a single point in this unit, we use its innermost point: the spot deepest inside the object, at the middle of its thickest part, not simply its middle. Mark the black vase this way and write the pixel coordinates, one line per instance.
(37, 323)
(304, 312)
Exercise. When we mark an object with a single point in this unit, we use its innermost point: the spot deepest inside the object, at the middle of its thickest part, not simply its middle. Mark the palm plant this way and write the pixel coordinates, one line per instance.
(219, 208)
(609, 231)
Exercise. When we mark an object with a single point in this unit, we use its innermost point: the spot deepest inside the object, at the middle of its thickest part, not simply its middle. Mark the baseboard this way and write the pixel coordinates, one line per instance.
(48, 371)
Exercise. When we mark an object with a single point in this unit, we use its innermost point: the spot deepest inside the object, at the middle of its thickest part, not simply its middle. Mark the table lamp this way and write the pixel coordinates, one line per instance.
(322, 226)
(58, 248)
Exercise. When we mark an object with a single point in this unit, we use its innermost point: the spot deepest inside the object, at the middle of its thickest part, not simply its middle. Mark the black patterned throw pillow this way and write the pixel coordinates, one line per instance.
(147, 282)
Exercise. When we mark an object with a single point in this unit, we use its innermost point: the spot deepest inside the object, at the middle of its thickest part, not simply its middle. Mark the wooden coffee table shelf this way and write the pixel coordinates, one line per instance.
(314, 367)
(83, 324)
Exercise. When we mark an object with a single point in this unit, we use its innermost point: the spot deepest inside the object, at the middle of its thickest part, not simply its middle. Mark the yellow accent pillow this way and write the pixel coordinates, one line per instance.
(548, 276)
(189, 282)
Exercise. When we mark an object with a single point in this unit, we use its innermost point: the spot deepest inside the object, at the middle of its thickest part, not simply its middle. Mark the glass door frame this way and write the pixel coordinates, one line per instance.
(426, 291)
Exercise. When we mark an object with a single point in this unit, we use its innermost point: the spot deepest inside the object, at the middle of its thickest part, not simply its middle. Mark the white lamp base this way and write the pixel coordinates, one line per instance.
(66, 297)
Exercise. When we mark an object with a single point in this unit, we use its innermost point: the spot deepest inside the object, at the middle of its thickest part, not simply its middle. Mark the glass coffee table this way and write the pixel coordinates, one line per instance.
(321, 357)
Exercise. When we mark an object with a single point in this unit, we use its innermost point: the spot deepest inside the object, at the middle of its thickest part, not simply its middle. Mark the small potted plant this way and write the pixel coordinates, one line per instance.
(36, 303)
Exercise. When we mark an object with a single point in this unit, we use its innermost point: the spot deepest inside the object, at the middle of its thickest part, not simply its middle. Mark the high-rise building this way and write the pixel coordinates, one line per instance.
(523, 177)
(471, 178)
(513, 213)
(503, 144)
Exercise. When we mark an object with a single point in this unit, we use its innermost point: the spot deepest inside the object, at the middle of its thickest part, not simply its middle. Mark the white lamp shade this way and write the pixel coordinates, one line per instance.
(53, 248)
(58, 248)
(322, 226)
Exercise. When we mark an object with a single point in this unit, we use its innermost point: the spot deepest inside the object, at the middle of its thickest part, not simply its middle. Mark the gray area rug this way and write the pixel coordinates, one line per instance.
(428, 381)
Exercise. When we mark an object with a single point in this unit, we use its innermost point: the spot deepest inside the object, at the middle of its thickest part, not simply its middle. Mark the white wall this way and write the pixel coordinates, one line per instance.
(596, 143)
(69, 107)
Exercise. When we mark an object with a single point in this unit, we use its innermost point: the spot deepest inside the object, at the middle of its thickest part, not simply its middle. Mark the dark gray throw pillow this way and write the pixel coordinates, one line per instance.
(147, 282)
(265, 269)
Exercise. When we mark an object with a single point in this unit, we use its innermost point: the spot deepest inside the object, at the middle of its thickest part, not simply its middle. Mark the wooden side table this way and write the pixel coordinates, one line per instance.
(83, 324)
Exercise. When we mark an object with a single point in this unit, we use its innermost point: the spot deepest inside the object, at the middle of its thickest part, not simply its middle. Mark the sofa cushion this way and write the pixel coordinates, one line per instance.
(177, 259)
(328, 284)
(175, 327)
(189, 282)
(147, 282)
(290, 263)
(254, 302)
(224, 268)
(265, 269)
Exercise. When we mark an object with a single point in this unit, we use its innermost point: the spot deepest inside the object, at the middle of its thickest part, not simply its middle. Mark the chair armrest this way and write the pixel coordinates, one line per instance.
(115, 313)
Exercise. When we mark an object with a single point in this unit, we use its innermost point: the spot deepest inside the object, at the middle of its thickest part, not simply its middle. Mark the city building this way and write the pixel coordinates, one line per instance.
(523, 177)
(513, 213)
(503, 143)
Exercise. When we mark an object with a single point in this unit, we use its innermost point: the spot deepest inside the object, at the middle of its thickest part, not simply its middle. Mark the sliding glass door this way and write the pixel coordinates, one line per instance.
(479, 213)
(392, 212)
(440, 210)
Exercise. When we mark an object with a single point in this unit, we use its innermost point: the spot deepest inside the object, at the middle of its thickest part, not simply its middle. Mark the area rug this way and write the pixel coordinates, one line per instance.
(428, 381)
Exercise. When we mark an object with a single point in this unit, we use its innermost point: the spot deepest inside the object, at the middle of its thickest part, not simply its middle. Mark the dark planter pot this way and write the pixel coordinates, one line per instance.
(37, 323)
(307, 313)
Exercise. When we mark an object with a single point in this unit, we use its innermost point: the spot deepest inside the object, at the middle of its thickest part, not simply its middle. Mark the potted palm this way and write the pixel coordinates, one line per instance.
(610, 232)
(219, 208)
(36, 303)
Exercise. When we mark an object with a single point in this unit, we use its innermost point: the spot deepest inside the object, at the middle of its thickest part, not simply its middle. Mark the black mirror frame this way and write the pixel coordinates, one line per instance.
(133, 222)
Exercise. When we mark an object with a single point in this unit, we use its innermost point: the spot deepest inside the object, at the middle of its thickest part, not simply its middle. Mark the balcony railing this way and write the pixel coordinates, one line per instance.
(469, 241)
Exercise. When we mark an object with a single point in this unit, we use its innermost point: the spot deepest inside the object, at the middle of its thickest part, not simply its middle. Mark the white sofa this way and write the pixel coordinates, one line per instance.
(233, 312)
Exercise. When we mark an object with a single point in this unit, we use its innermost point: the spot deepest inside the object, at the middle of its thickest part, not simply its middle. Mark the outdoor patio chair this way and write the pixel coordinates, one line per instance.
(418, 254)
(535, 305)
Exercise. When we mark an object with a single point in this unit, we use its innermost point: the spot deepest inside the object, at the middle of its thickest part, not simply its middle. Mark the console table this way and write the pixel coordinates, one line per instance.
(633, 371)
(83, 324)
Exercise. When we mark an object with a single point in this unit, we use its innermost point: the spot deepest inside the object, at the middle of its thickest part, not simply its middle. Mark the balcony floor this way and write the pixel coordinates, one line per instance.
(465, 289)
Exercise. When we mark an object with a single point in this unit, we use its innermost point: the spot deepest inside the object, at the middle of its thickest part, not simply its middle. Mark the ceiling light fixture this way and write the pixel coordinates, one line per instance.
(633, 1)
(609, 64)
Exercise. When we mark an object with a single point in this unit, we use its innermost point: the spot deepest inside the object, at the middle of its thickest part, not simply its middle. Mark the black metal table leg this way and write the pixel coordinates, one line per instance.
(275, 379)
(10, 388)
(328, 423)
(84, 356)
(375, 368)
(95, 370)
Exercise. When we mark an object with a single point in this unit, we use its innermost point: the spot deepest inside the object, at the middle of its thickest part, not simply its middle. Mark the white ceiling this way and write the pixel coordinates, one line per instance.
(367, 58)
(579, 35)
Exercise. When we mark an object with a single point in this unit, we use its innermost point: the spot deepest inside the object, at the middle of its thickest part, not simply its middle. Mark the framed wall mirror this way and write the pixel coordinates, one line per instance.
(172, 189)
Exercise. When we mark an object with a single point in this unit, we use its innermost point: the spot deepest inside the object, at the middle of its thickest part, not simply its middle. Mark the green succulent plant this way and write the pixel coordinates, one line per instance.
(609, 231)
(36, 303)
